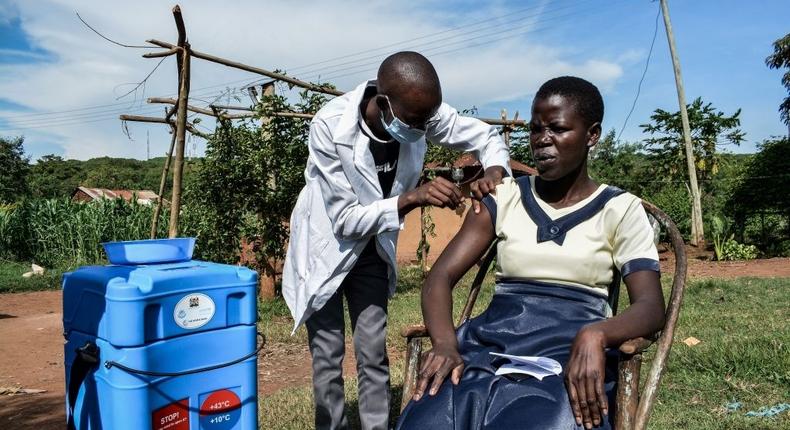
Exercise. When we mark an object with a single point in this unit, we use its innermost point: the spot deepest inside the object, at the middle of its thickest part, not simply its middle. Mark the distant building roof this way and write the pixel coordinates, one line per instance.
(145, 197)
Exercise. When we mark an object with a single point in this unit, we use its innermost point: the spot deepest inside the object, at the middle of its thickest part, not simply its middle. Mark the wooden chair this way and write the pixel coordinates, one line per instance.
(632, 408)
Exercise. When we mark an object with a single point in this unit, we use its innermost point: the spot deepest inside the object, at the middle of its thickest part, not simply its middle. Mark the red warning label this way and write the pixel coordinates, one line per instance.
(220, 401)
(174, 416)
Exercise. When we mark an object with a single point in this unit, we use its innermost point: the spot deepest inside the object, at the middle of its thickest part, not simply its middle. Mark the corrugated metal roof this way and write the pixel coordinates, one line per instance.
(143, 196)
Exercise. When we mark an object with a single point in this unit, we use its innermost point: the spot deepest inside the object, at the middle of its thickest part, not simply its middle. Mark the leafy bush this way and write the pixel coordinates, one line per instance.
(732, 250)
(759, 202)
(674, 200)
(718, 230)
(11, 232)
(249, 180)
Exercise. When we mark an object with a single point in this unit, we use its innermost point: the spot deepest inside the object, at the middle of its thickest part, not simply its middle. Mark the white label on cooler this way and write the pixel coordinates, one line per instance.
(194, 311)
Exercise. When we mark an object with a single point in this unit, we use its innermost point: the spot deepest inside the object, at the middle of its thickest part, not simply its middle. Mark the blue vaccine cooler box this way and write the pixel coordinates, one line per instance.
(159, 341)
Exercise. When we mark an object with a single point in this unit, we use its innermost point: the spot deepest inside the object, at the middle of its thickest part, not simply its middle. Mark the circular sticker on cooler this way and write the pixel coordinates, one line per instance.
(221, 410)
(194, 311)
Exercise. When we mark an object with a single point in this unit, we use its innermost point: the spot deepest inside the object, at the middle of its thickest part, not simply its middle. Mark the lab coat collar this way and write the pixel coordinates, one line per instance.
(347, 128)
(410, 157)
(349, 133)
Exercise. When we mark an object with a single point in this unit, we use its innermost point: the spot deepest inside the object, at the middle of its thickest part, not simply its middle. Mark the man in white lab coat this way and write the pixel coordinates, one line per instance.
(367, 150)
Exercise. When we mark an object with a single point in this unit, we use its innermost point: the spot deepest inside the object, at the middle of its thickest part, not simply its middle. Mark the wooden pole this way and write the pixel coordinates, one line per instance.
(165, 100)
(162, 183)
(268, 91)
(268, 276)
(505, 129)
(504, 122)
(171, 101)
(181, 121)
(155, 120)
(253, 69)
(424, 214)
(697, 229)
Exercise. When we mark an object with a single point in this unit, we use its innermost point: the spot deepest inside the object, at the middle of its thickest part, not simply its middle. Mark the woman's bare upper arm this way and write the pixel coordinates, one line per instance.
(467, 247)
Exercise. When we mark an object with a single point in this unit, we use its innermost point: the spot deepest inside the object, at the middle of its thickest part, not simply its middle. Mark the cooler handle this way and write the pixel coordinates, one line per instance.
(111, 364)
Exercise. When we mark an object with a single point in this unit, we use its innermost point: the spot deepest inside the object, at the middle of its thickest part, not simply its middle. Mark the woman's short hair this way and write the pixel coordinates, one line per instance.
(582, 93)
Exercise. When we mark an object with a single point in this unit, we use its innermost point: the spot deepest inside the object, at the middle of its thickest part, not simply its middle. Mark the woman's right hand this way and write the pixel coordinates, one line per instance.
(439, 362)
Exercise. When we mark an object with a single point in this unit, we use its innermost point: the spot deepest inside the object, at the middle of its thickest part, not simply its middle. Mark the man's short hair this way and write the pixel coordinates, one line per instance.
(408, 71)
(585, 95)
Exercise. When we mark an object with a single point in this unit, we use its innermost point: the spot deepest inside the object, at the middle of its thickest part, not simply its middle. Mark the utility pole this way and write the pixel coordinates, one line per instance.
(147, 145)
(697, 229)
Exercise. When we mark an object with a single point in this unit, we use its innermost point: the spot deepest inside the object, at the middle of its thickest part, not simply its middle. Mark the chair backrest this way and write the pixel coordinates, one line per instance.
(664, 342)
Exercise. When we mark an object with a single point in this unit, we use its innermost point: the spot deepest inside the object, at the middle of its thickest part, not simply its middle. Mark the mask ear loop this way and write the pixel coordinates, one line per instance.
(389, 107)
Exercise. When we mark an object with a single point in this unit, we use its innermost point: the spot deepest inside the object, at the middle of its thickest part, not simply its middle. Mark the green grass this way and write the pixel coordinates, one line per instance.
(11, 280)
(744, 356)
(404, 309)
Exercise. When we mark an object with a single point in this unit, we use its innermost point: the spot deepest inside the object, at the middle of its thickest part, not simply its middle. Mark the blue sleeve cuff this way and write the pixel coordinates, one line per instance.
(639, 264)
(490, 204)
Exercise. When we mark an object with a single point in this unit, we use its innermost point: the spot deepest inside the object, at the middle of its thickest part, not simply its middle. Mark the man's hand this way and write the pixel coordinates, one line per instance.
(486, 185)
(439, 362)
(439, 192)
(584, 378)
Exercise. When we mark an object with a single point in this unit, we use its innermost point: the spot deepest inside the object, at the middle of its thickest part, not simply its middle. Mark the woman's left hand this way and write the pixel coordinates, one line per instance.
(584, 377)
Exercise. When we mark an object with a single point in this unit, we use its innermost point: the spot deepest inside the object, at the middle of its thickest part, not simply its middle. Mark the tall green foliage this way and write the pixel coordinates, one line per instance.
(760, 201)
(64, 234)
(248, 182)
(53, 177)
(519, 145)
(13, 170)
(778, 60)
(622, 164)
(767, 180)
(710, 129)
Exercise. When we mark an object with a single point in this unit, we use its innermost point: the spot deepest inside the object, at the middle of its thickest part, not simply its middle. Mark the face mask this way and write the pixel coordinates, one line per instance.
(399, 130)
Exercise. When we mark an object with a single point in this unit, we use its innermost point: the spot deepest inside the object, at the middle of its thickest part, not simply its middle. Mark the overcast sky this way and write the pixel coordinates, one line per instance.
(60, 82)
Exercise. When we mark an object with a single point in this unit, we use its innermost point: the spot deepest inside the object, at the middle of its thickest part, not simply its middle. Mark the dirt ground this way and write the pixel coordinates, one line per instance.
(31, 347)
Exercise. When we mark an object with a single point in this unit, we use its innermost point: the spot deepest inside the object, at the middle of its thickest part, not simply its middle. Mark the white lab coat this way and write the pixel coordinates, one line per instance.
(342, 206)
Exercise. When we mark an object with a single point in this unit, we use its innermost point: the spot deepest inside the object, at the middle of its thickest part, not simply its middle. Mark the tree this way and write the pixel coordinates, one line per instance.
(248, 183)
(710, 129)
(620, 164)
(779, 59)
(763, 188)
(53, 177)
(519, 145)
(14, 169)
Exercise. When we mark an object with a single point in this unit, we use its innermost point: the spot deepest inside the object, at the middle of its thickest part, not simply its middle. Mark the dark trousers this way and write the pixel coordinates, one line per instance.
(366, 291)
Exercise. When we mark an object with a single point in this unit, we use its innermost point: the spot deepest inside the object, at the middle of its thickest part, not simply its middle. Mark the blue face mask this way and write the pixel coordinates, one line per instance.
(399, 130)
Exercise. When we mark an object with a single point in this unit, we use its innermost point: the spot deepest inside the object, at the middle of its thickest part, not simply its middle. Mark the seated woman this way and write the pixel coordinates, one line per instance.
(560, 238)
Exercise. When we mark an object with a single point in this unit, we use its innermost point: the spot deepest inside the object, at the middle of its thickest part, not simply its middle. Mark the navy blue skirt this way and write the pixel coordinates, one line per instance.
(524, 318)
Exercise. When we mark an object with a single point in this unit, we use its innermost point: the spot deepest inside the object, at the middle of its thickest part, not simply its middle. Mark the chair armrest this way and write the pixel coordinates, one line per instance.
(410, 331)
(636, 345)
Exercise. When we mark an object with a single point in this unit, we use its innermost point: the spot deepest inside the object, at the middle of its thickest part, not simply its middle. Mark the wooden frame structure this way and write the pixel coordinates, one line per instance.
(180, 106)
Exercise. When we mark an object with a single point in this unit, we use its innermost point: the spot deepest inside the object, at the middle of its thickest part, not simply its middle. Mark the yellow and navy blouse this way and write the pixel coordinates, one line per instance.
(579, 245)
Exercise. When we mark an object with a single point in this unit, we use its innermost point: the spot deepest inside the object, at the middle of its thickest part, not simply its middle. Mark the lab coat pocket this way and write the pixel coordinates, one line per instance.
(317, 245)
(299, 242)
